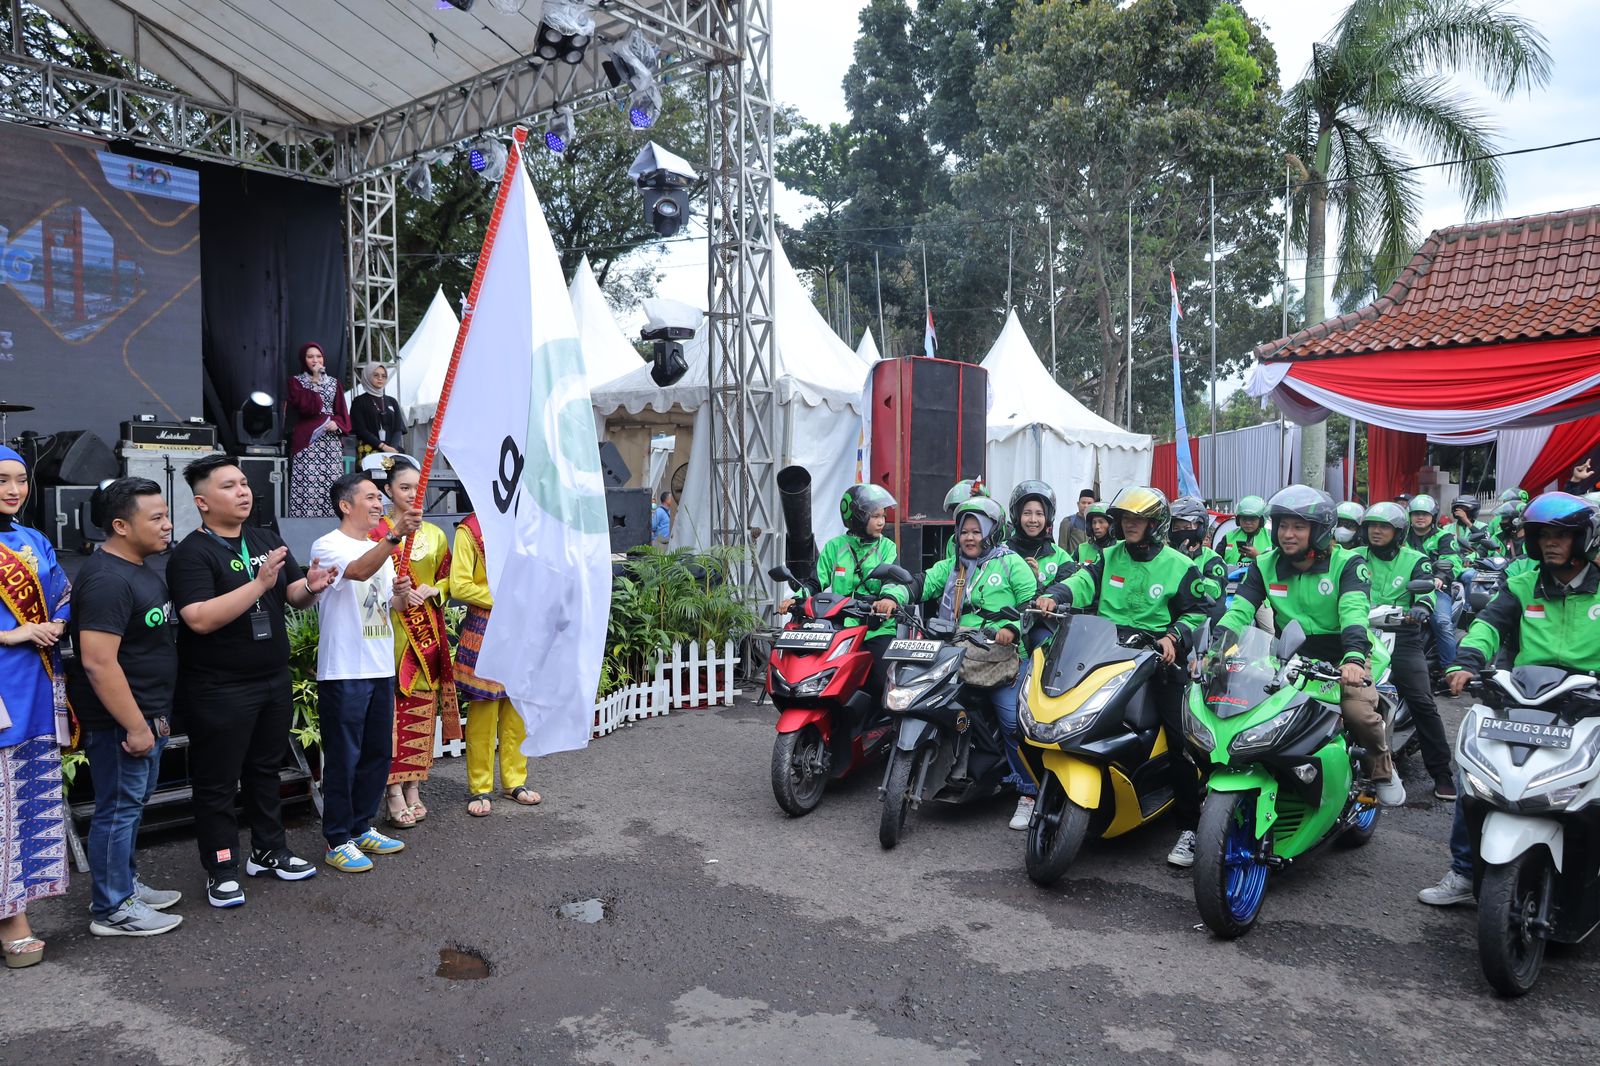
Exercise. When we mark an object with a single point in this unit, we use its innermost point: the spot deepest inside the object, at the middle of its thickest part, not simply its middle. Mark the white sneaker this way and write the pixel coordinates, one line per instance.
(1453, 888)
(1182, 853)
(1023, 814)
(1392, 793)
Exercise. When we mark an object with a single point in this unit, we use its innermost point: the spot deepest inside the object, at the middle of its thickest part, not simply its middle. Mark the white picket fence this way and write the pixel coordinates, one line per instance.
(688, 676)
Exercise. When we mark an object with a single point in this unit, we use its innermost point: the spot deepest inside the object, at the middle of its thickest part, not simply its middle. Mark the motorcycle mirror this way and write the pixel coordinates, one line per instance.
(783, 573)
(891, 572)
(1420, 585)
(1293, 636)
(1009, 614)
(1202, 639)
(1478, 536)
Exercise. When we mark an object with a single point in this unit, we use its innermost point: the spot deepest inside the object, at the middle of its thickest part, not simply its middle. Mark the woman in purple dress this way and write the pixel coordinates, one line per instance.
(317, 445)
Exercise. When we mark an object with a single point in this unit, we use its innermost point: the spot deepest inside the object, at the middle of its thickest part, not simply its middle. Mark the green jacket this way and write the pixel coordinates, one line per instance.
(1331, 601)
(1552, 626)
(1440, 547)
(1052, 561)
(1164, 595)
(1089, 552)
(1004, 581)
(843, 566)
(1390, 578)
(1213, 572)
(1261, 540)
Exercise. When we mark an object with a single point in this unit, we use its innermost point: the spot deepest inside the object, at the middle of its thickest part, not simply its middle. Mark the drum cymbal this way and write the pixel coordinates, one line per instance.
(13, 408)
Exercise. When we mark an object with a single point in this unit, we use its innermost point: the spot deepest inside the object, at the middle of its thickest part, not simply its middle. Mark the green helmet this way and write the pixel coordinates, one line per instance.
(1510, 515)
(1388, 514)
(1349, 511)
(963, 491)
(990, 512)
(1138, 501)
(1312, 506)
(1251, 507)
(1423, 504)
(1513, 495)
(858, 503)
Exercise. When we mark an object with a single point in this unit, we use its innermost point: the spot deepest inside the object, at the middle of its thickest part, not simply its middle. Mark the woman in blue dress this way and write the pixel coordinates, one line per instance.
(34, 607)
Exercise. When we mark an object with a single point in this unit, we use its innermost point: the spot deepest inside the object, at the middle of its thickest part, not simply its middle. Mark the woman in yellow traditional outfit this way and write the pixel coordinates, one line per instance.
(424, 681)
(490, 715)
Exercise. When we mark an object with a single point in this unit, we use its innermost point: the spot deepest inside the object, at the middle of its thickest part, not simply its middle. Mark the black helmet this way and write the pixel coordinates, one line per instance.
(858, 503)
(1510, 513)
(1142, 502)
(991, 513)
(1189, 509)
(1564, 511)
(1309, 505)
(1468, 504)
(1033, 490)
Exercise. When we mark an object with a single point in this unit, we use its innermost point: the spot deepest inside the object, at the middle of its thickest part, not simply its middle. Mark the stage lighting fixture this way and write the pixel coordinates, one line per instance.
(563, 125)
(488, 157)
(459, 5)
(644, 107)
(668, 324)
(564, 32)
(631, 61)
(419, 179)
(259, 425)
(664, 180)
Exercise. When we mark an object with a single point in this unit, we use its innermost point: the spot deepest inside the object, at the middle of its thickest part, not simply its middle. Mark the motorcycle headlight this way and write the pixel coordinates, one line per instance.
(1555, 800)
(1479, 787)
(901, 697)
(1201, 738)
(1065, 728)
(813, 686)
(1259, 739)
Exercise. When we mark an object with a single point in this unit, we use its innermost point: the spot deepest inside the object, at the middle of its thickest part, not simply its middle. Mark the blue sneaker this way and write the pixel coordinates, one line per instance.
(375, 843)
(348, 858)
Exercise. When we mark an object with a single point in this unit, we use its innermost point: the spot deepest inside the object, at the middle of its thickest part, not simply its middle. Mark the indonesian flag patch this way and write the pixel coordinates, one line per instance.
(1117, 581)
(1534, 611)
(840, 570)
(1278, 590)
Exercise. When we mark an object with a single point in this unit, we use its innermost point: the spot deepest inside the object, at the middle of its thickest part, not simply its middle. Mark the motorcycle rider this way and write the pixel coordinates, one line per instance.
(845, 562)
(1347, 523)
(983, 578)
(1102, 534)
(1394, 566)
(960, 493)
(1326, 588)
(1548, 614)
(1506, 529)
(1033, 515)
(1146, 586)
(1439, 546)
(1189, 521)
(1249, 538)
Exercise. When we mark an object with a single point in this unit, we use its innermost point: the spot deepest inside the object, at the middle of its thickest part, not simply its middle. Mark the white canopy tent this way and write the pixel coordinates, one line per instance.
(868, 348)
(818, 379)
(607, 355)
(1039, 430)
(424, 360)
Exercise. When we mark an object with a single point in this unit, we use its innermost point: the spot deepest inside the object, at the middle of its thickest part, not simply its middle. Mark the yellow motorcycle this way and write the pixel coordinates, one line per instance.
(1091, 734)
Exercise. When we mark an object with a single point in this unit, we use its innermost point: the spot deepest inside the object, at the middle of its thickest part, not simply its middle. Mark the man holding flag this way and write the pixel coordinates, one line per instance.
(516, 423)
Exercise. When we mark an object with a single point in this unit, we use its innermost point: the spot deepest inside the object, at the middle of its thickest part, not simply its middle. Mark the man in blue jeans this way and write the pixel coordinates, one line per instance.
(121, 687)
(355, 669)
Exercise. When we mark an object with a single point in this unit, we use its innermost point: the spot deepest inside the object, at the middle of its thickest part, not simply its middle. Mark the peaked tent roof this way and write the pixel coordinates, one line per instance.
(868, 348)
(607, 355)
(423, 361)
(812, 363)
(1022, 393)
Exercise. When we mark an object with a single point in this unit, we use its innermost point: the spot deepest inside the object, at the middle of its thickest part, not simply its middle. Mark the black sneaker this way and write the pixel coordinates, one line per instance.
(1444, 787)
(223, 890)
(284, 864)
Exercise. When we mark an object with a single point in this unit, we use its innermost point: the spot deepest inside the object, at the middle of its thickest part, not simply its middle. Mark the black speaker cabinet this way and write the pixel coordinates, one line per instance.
(75, 457)
(269, 486)
(65, 518)
(630, 513)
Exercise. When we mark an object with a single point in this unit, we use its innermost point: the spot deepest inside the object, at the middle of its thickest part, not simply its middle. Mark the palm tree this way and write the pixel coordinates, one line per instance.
(1385, 76)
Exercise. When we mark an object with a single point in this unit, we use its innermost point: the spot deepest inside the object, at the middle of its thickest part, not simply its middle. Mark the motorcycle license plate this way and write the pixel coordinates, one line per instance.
(804, 639)
(1539, 736)
(911, 651)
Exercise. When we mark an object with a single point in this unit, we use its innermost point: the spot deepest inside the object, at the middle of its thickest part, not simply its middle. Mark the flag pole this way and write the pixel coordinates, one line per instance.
(927, 305)
(1213, 257)
(513, 169)
(1050, 260)
(877, 278)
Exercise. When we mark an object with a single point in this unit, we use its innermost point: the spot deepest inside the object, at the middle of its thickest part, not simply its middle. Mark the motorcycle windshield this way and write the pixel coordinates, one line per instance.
(1249, 668)
(1088, 644)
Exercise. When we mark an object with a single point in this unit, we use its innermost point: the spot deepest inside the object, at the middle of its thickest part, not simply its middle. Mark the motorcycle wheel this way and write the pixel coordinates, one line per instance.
(1058, 831)
(1230, 882)
(1513, 916)
(798, 777)
(1361, 830)
(904, 769)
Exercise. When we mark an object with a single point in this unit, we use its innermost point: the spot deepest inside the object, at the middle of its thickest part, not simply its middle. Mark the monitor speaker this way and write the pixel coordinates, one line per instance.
(74, 457)
(630, 513)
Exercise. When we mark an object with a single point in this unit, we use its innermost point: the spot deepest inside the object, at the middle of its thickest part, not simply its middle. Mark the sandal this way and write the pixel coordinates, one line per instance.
(28, 951)
(418, 811)
(400, 819)
(488, 805)
(521, 792)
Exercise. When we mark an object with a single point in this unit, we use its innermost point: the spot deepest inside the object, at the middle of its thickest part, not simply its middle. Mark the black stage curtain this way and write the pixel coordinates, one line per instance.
(272, 279)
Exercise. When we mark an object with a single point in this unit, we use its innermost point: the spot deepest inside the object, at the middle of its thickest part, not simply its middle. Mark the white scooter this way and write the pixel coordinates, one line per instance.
(1530, 755)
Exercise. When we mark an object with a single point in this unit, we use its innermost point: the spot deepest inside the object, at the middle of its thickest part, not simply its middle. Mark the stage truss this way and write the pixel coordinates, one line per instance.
(178, 97)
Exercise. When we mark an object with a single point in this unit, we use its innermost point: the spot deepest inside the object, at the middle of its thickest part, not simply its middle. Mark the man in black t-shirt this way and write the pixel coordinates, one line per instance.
(230, 585)
(121, 686)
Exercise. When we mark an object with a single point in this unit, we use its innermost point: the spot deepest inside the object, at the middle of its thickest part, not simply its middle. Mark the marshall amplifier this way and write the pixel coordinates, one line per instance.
(170, 436)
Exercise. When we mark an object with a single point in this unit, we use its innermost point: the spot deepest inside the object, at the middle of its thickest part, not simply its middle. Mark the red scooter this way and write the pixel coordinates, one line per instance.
(828, 725)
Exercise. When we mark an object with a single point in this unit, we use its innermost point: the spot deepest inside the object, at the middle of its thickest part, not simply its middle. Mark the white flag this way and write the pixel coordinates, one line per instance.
(519, 431)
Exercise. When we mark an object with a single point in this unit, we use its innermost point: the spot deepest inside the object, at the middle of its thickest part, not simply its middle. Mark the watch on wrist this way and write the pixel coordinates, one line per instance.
(394, 539)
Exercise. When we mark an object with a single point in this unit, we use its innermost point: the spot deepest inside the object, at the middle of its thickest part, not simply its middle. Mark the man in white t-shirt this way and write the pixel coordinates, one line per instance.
(355, 670)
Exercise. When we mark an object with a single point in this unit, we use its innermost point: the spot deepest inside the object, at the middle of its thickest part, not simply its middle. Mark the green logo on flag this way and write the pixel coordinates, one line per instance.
(558, 463)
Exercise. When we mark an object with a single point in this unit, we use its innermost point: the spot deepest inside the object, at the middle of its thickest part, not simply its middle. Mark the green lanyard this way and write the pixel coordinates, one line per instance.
(244, 557)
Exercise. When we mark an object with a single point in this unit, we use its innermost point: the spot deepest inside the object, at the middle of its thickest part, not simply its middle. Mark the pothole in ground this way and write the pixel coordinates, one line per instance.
(461, 964)
(587, 911)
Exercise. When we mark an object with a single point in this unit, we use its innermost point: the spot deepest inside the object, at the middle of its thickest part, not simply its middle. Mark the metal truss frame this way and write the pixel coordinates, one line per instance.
(371, 232)
(741, 224)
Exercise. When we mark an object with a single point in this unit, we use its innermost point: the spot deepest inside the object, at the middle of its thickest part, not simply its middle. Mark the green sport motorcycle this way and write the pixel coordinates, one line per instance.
(1284, 782)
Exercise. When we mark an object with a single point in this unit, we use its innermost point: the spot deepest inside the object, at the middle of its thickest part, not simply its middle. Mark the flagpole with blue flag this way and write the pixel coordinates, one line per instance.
(1188, 484)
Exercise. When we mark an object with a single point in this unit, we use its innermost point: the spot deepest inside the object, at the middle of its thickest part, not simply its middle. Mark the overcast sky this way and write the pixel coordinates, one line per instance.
(814, 40)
